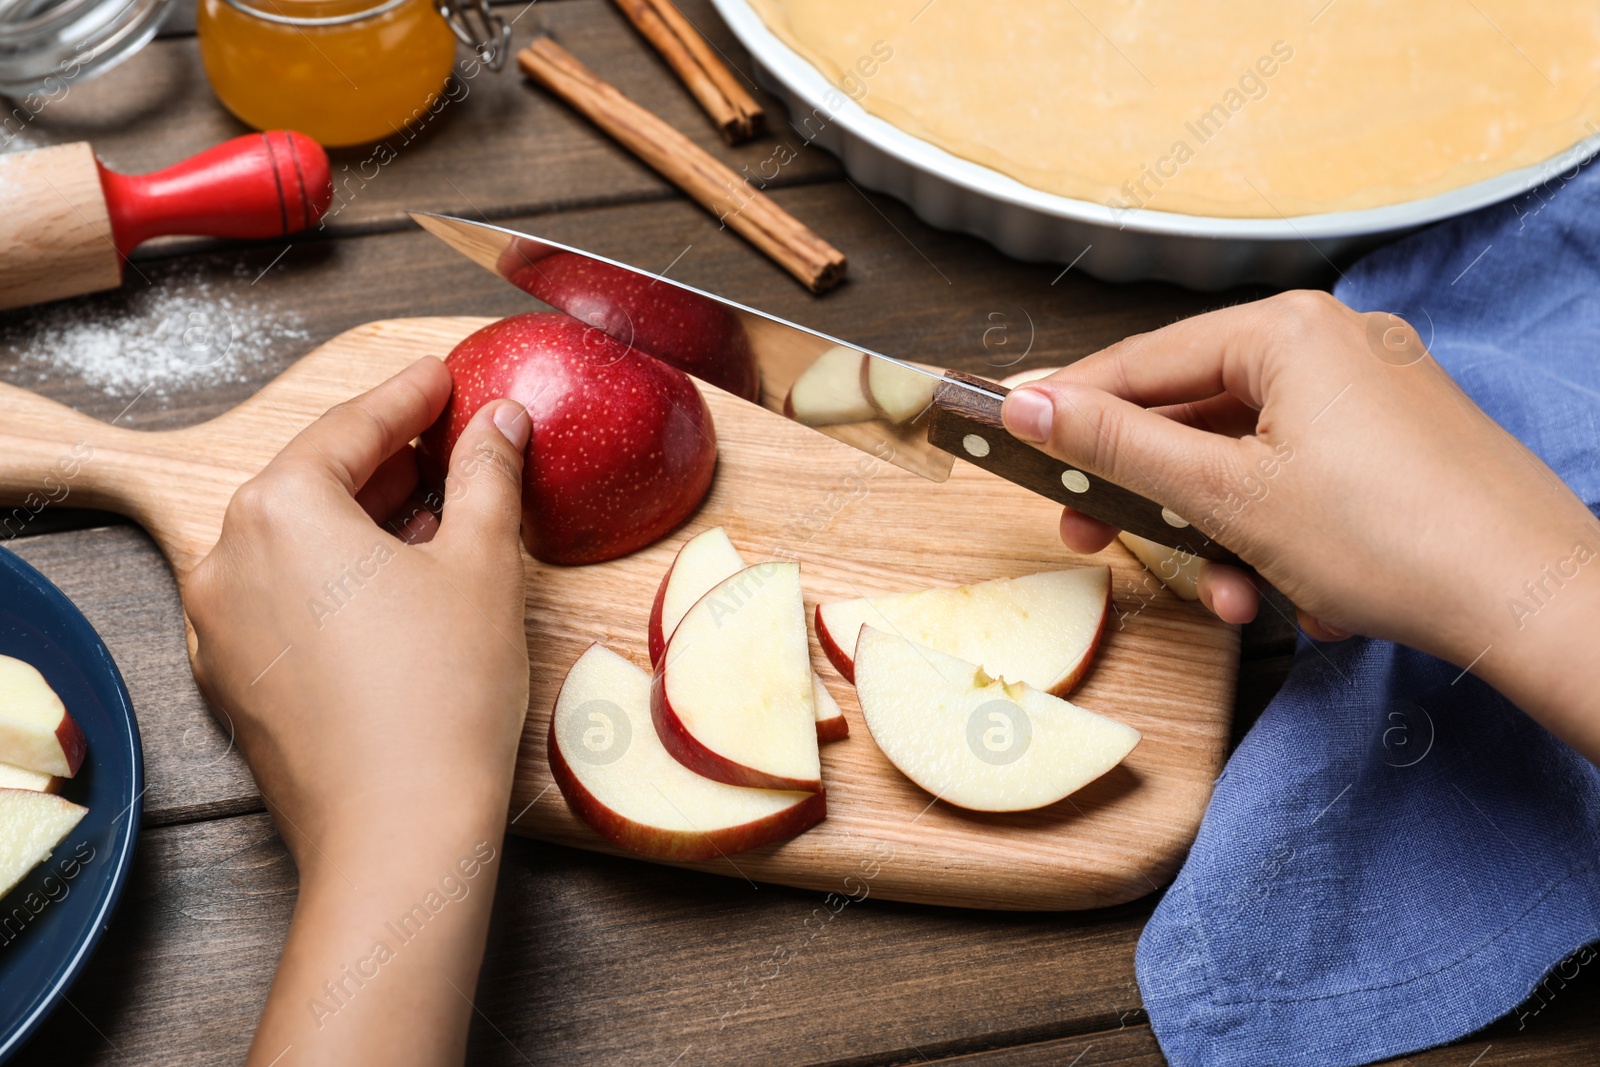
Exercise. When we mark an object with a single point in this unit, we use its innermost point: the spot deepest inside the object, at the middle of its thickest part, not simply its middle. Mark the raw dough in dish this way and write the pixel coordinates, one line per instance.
(1242, 109)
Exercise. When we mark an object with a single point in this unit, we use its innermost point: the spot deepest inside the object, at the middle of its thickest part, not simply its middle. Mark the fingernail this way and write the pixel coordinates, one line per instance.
(1027, 414)
(511, 419)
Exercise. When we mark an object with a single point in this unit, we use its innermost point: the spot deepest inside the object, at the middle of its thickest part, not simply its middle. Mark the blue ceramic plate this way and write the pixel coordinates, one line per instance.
(51, 922)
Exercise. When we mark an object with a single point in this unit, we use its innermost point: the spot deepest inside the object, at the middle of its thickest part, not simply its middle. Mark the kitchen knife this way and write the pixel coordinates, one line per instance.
(918, 418)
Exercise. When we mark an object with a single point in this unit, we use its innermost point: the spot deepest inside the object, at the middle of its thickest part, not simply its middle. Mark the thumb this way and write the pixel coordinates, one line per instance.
(1177, 466)
(483, 489)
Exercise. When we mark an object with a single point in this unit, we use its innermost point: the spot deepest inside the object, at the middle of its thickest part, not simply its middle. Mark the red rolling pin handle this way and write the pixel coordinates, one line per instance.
(256, 186)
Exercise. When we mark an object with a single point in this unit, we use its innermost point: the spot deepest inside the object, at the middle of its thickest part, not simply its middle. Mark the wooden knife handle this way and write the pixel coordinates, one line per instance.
(966, 423)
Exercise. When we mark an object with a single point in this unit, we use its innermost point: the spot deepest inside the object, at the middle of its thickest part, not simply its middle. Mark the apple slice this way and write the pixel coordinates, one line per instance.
(897, 393)
(830, 391)
(614, 772)
(1040, 629)
(831, 723)
(732, 697)
(36, 733)
(1178, 570)
(32, 824)
(13, 777)
(704, 560)
(973, 740)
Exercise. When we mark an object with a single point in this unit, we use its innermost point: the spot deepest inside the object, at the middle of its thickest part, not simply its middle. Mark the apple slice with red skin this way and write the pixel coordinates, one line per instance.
(897, 393)
(831, 723)
(973, 740)
(704, 560)
(676, 326)
(732, 696)
(622, 448)
(1178, 570)
(1041, 629)
(32, 824)
(829, 392)
(36, 732)
(610, 765)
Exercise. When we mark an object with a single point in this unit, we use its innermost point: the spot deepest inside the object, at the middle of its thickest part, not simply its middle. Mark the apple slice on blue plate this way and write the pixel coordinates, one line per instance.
(36, 732)
(32, 824)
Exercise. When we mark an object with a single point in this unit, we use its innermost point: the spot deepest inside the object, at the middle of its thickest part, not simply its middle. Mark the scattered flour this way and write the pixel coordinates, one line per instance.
(185, 329)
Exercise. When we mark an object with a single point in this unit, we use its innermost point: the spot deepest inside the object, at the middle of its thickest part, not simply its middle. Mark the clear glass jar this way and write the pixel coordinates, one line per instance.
(343, 72)
(46, 45)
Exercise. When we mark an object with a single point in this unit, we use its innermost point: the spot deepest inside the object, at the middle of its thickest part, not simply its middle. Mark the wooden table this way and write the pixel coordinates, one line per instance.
(591, 960)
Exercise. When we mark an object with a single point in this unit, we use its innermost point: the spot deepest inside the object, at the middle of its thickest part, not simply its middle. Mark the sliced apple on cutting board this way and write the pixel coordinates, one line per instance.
(36, 733)
(732, 695)
(617, 777)
(1178, 570)
(704, 560)
(32, 824)
(973, 740)
(829, 392)
(831, 723)
(1040, 629)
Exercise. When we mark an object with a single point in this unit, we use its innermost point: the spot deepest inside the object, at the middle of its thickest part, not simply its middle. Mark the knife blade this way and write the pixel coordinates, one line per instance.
(918, 417)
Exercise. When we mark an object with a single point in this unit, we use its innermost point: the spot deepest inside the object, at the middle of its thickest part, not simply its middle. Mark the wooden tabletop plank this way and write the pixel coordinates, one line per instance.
(497, 146)
(590, 963)
(595, 960)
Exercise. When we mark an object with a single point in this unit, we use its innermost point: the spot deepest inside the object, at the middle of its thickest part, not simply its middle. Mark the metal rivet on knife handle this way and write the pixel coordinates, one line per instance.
(966, 422)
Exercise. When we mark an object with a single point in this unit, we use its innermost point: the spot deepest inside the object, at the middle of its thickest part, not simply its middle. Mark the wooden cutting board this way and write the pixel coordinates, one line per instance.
(859, 526)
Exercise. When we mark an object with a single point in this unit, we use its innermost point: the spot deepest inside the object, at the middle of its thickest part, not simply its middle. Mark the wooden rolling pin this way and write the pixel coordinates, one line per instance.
(67, 224)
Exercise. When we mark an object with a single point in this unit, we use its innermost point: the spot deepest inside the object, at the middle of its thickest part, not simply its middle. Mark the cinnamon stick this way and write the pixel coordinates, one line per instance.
(781, 236)
(737, 115)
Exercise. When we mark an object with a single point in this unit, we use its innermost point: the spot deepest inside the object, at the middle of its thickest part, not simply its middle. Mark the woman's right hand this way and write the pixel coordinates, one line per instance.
(1331, 453)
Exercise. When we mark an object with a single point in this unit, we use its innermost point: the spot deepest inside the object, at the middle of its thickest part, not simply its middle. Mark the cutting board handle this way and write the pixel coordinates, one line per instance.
(54, 457)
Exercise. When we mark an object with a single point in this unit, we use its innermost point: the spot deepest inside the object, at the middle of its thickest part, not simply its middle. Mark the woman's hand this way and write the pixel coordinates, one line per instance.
(377, 687)
(1332, 454)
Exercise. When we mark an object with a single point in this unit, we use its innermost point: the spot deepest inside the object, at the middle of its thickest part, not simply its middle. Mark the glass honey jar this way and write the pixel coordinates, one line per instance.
(343, 72)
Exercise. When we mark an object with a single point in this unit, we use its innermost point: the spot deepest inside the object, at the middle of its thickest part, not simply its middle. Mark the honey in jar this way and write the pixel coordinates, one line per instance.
(343, 72)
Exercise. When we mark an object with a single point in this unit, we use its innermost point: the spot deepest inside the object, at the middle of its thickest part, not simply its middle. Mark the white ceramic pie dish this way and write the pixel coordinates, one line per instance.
(1192, 250)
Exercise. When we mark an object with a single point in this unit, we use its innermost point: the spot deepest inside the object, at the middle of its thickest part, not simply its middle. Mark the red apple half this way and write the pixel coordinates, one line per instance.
(1040, 629)
(617, 777)
(829, 392)
(679, 327)
(972, 740)
(36, 733)
(622, 448)
(32, 824)
(732, 697)
(1179, 571)
(704, 560)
